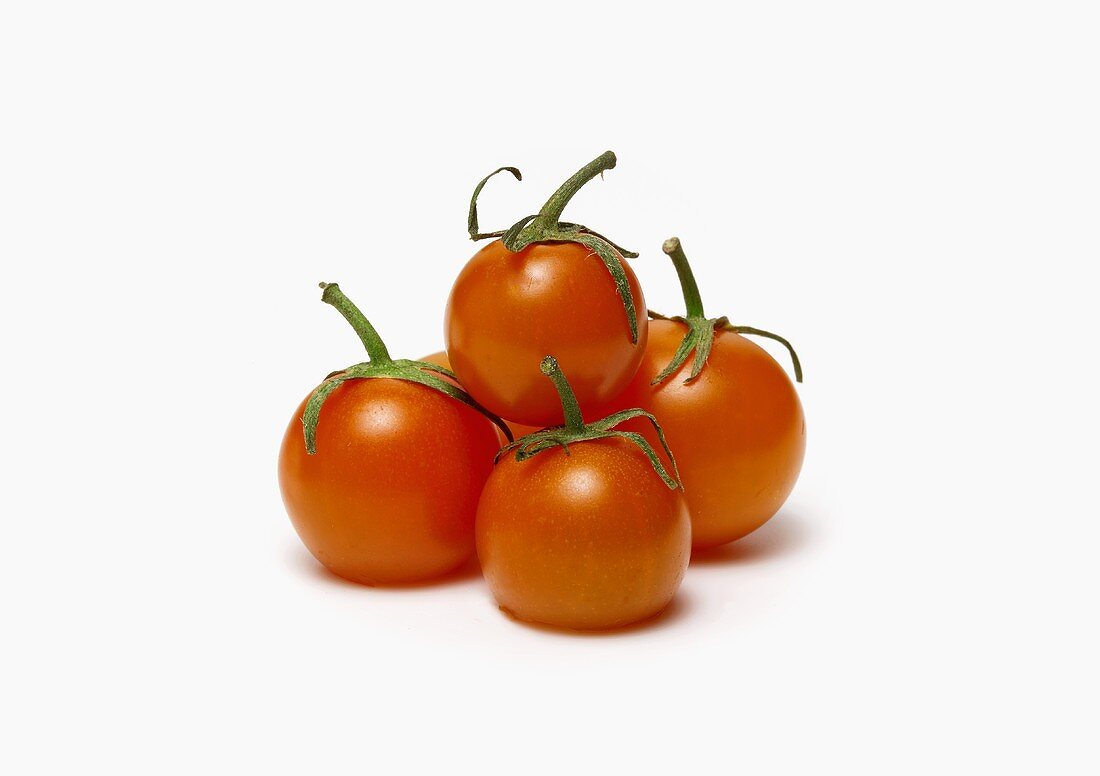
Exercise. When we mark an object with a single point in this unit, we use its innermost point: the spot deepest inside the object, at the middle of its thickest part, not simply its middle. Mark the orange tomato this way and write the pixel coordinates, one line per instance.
(587, 538)
(545, 287)
(737, 429)
(391, 493)
(729, 411)
(518, 429)
(507, 310)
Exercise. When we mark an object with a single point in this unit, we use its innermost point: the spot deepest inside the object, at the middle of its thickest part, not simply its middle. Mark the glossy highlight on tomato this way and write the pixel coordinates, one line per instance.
(578, 527)
(728, 409)
(738, 430)
(507, 310)
(545, 286)
(390, 493)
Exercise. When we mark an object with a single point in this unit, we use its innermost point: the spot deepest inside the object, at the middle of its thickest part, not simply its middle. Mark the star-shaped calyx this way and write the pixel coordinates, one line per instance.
(700, 335)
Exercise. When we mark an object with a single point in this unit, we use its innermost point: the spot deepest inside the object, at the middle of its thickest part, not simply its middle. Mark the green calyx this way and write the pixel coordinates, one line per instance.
(700, 335)
(576, 430)
(379, 365)
(545, 226)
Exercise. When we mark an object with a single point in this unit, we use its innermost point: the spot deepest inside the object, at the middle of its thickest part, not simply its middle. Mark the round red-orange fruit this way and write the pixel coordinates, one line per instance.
(391, 493)
(588, 540)
(507, 310)
(737, 430)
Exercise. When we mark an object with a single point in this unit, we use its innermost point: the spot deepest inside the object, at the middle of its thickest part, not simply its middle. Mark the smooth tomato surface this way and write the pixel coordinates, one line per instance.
(508, 310)
(589, 540)
(391, 494)
(737, 430)
(518, 429)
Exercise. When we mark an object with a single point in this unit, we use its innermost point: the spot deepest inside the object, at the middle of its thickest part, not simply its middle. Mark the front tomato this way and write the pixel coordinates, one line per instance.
(583, 527)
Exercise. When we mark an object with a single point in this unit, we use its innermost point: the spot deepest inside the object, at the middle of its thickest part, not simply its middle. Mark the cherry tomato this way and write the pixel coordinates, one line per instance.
(737, 427)
(391, 493)
(548, 287)
(585, 538)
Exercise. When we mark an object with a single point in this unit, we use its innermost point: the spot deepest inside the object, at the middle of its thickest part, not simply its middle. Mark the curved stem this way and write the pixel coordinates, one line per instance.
(688, 285)
(569, 407)
(376, 349)
(770, 335)
(471, 219)
(551, 212)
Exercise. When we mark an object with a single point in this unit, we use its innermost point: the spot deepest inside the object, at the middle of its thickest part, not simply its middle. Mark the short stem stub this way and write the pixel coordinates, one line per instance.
(571, 410)
(692, 299)
(376, 348)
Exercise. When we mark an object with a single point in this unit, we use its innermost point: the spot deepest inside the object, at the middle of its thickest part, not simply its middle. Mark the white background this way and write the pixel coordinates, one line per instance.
(909, 191)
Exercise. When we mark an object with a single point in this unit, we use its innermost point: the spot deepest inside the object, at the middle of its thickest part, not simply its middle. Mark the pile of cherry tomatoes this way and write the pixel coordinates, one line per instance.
(580, 443)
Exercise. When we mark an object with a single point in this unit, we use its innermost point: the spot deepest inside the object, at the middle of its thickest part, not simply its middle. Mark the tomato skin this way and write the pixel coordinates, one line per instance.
(589, 540)
(738, 431)
(438, 358)
(391, 494)
(508, 310)
(518, 429)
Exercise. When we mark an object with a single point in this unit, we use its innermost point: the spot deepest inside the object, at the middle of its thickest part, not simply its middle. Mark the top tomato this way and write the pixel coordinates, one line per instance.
(546, 287)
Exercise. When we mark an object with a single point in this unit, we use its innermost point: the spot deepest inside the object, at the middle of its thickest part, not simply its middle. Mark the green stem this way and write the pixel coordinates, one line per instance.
(376, 349)
(688, 285)
(551, 212)
(574, 421)
(781, 340)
